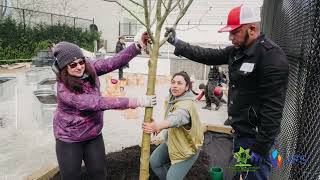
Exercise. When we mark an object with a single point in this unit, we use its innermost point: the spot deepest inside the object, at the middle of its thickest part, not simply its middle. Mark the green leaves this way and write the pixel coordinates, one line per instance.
(17, 42)
(242, 156)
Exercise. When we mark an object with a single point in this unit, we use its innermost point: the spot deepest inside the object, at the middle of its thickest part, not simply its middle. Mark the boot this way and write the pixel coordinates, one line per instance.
(227, 122)
(207, 107)
(218, 106)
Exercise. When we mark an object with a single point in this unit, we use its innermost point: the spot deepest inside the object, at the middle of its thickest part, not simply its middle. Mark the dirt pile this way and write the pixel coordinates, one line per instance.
(124, 165)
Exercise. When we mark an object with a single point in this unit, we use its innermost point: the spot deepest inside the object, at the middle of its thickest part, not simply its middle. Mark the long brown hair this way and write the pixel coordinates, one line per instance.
(75, 84)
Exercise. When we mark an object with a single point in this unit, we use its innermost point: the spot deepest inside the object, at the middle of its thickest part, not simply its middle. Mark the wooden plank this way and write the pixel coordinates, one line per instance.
(44, 173)
(16, 66)
(217, 128)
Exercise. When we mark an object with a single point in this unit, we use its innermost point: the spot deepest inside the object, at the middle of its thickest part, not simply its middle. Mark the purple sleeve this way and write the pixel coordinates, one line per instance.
(103, 66)
(90, 102)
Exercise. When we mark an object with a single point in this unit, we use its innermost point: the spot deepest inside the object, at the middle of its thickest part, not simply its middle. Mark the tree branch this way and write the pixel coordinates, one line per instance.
(125, 8)
(136, 3)
(181, 14)
(164, 5)
(155, 15)
(147, 20)
(175, 5)
(165, 15)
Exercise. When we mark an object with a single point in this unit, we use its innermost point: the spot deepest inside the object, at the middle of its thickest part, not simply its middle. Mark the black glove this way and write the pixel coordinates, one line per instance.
(172, 39)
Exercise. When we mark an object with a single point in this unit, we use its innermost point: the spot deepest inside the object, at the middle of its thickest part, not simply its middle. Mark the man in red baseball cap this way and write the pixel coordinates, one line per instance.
(258, 77)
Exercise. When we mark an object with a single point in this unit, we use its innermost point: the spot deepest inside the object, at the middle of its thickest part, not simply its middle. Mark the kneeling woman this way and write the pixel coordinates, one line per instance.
(78, 120)
(173, 159)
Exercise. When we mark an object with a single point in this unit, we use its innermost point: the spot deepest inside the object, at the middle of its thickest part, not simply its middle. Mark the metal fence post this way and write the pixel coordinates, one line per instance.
(24, 19)
(119, 29)
(51, 18)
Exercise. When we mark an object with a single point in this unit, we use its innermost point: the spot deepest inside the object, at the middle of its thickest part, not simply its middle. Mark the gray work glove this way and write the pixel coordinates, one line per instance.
(147, 101)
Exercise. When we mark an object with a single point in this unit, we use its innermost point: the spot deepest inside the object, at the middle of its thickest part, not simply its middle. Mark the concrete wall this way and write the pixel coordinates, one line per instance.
(106, 16)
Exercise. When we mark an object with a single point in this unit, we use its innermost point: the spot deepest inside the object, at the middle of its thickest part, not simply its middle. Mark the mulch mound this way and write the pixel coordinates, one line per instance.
(125, 164)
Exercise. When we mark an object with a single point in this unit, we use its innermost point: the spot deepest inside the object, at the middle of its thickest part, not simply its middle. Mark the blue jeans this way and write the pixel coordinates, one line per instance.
(161, 165)
(263, 173)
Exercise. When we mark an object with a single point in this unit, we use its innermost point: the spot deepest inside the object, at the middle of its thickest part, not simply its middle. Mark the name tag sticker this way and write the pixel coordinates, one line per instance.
(247, 67)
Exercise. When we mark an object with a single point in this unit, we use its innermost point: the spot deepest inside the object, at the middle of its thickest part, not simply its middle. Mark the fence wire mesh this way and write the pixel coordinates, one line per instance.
(294, 25)
(32, 18)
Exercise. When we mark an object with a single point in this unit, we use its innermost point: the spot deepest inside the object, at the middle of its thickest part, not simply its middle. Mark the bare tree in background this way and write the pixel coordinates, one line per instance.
(64, 7)
(2, 8)
(153, 16)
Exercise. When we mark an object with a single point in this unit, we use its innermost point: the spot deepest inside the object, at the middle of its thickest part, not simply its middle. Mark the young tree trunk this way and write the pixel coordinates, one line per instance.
(145, 148)
(162, 10)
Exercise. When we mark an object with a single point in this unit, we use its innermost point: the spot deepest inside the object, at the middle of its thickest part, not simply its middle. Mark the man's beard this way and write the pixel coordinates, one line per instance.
(245, 42)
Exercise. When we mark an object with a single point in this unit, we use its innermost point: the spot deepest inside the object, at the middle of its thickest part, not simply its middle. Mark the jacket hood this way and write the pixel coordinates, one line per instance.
(186, 96)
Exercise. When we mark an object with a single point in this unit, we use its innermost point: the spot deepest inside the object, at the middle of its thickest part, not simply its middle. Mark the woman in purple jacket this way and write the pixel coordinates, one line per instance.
(78, 118)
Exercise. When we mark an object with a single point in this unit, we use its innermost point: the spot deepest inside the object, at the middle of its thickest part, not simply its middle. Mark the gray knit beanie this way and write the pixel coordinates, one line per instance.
(66, 52)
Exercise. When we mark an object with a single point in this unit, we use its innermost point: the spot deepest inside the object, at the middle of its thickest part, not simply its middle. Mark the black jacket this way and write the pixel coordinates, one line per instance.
(119, 47)
(214, 74)
(257, 88)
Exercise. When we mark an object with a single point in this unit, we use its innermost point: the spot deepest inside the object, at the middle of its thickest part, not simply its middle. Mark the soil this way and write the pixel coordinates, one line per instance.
(124, 165)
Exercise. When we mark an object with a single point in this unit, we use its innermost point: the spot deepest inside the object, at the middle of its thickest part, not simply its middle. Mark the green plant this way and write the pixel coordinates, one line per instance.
(19, 42)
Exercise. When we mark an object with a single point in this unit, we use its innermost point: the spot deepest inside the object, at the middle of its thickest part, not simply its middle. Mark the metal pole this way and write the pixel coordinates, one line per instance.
(24, 19)
(74, 23)
(1, 8)
(119, 29)
(51, 17)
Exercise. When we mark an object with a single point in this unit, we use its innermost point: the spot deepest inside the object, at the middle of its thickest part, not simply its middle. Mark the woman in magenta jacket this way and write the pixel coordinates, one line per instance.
(78, 119)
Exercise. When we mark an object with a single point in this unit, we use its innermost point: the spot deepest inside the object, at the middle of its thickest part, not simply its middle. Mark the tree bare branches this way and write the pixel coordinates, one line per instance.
(154, 16)
(129, 11)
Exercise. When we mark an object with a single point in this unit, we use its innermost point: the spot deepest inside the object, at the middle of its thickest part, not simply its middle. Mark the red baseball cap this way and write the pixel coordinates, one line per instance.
(241, 15)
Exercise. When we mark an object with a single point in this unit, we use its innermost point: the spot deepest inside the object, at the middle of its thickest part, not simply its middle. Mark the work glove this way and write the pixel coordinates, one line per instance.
(143, 101)
(256, 158)
(172, 37)
(142, 39)
(147, 101)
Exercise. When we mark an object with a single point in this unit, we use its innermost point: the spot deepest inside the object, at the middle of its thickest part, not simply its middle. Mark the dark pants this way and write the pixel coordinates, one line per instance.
(121, 70)
(210, 97)
(121, 73)
(263, 173)
(70, 156)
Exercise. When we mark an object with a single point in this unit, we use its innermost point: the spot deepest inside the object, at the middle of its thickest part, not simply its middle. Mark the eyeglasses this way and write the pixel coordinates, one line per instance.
(75, 64)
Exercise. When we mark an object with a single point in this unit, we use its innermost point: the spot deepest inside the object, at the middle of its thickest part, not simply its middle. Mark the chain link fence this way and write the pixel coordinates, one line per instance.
(32, 18)
(294, 25)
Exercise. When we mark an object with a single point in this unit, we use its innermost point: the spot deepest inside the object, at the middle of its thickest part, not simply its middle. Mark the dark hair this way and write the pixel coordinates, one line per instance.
(121, 37)
(202, 86)
(186, 77)
(75, 84)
